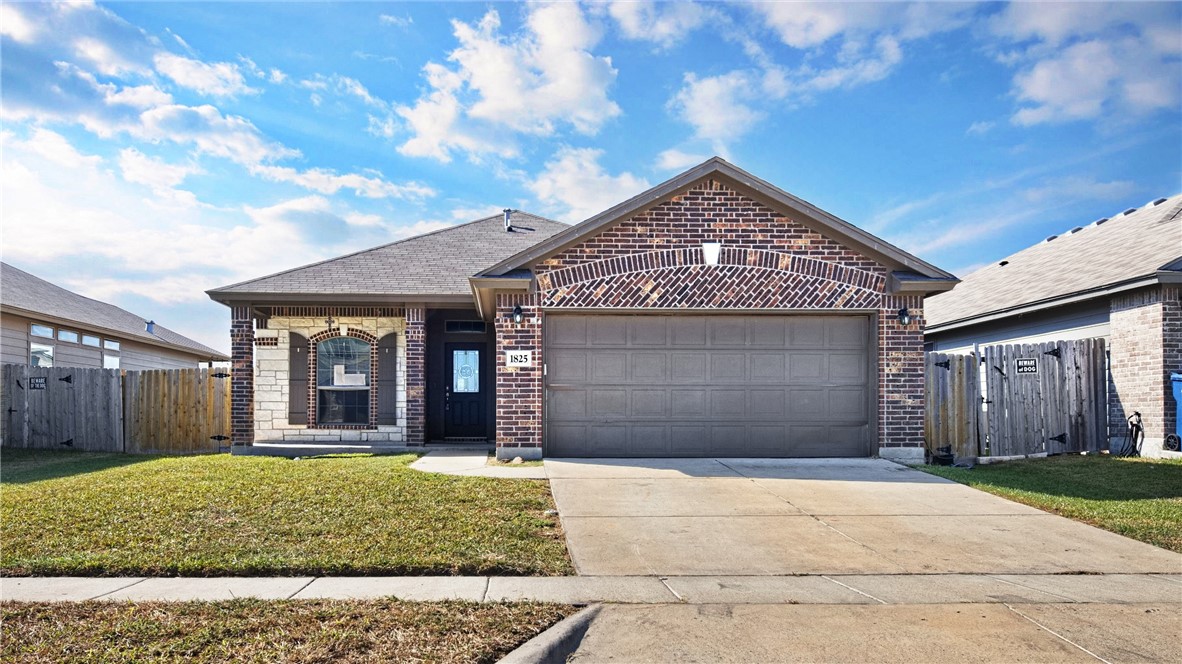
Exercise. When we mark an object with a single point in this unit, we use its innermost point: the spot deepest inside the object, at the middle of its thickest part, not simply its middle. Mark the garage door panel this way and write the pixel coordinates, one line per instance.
(649, 367)
(609, 403)
(728, 367)
(769, 367)
(688, 367)
(608, 367)
(687, 403)
(696, 385)
(649, 403)
(568, 366)
(569, 403)
(649, 441)
(648, 331)
(607, 330)
(687, 331)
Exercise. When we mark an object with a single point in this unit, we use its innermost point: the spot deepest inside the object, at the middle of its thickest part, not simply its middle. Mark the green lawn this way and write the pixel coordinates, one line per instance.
(78, 513)
(1137, 498)
(259, 631)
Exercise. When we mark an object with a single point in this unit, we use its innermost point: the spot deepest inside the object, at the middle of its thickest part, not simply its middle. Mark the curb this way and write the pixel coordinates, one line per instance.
(554, 645)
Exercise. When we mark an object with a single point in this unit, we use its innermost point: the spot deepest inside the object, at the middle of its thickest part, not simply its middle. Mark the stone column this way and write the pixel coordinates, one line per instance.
(242, 375)
(416, 375)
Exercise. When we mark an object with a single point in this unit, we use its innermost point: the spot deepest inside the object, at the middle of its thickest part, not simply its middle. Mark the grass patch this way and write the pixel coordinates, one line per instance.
(1137, 498)
(78, 513)
(262, 631)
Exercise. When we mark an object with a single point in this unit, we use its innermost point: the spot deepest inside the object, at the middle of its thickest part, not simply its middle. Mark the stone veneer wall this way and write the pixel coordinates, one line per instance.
(1145, 347)
(271, 390)
(654, 261)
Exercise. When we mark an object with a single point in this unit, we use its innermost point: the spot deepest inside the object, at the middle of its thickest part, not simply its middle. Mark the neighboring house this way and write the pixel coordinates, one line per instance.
(45, 325)
(713, 315)
(1115, 278)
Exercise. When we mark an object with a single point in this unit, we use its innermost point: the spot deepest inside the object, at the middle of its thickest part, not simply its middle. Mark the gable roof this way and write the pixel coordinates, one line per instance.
(1137, 246)
(21, 292)
(430, 265)
(718, 168)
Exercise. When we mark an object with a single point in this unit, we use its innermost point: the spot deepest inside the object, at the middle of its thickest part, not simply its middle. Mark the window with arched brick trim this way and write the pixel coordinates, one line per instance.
(342, 379)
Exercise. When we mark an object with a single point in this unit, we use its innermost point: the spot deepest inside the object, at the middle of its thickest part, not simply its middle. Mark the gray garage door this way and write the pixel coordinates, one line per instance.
(686, 386)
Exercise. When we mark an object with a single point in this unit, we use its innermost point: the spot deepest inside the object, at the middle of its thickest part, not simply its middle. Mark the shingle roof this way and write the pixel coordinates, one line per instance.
(21, 290)
(1131, 245)
(437, 263)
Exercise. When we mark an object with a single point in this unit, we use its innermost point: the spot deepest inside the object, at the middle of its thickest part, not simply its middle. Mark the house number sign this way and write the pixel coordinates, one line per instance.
(519, 358)
(1026, 366)
(37, 382)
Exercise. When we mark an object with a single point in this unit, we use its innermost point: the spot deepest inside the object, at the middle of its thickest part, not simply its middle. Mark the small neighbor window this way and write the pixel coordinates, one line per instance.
(110, 344)
(41, 330)
(464, 326)
(110, 361)
(342, 381)
(40, 355)
(88, 340)
(67, 335)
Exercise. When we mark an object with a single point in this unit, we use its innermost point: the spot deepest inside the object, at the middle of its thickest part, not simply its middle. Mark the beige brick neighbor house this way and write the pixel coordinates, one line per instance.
(1117, 278)
(713, 315)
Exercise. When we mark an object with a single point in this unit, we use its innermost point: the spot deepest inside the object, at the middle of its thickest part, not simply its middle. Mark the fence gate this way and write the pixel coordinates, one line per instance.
(177, 411)
(62, 408)
(1049, 397)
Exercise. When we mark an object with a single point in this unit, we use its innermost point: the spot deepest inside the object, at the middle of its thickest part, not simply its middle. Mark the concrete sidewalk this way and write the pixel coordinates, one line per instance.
(812, 589)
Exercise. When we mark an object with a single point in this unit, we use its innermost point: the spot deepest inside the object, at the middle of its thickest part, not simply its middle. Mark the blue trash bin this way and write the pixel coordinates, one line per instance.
(1176, 380)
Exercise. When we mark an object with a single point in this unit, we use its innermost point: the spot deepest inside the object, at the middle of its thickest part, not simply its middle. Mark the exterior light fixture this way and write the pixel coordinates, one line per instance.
(904, 317)
(710, 252)
(518, 315)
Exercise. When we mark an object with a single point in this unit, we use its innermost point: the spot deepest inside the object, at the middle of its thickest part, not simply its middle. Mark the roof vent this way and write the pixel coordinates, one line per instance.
(150, 326)
(1159, 201)
(1077, 229)
(1099, 221)
(1049, 238)
(1129, 211)
(1004, 263)
(508, 219)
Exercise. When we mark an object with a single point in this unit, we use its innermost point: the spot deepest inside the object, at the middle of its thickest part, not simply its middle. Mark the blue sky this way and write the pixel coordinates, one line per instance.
(154, 150)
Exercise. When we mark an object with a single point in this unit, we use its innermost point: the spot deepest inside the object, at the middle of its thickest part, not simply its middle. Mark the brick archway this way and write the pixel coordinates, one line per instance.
(313, 401)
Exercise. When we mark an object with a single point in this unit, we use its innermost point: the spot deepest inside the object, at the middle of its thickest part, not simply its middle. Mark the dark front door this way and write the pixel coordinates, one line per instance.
(465, 400)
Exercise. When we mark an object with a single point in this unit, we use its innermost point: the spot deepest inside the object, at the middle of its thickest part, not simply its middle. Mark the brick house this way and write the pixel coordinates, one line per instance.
(1117, 278)
(713, 315)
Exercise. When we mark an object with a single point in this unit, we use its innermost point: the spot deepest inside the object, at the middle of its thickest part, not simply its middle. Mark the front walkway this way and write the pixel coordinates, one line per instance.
(474, 463)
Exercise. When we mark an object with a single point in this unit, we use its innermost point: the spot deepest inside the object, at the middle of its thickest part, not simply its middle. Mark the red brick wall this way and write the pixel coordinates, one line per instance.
(654, 260)
(1145, 346)
(242, 376)
(519, 389)
(416, 375)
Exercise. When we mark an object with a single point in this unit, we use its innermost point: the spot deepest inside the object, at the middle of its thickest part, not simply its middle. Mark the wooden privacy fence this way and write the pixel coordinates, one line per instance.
(1019, 399)
(174, 411)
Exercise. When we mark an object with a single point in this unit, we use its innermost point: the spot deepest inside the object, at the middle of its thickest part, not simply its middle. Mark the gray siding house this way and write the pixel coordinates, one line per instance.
(1118, 278)
(42, 324)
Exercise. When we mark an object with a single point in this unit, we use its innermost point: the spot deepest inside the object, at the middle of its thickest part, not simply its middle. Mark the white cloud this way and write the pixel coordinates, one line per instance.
(327, 182)
(13, 24)
(1082, 61)
(663, 23)
(231, 137)
(574, 184)
(344, 86)
(980, 128)
(108, 60)
(396, 21)
(220, 79)
(276, 76)
(155, 173)
(54, 147)
(676, 160)
(140, 96)
(720, 108)
(1079, 188)
(529, 83)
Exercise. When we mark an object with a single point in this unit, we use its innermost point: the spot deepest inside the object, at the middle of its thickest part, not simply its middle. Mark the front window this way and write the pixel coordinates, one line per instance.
(342, 381)
(110, 361)
(40, 355)
(67, 335)
(41, 330)
(88, 340)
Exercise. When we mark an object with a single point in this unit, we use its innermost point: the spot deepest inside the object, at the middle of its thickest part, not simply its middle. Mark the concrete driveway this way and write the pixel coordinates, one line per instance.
(688, 517)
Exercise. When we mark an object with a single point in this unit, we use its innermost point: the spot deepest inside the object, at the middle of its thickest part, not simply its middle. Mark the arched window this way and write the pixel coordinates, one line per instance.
(342, 381)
